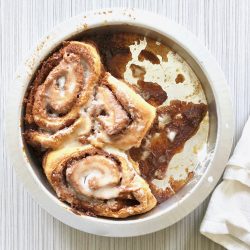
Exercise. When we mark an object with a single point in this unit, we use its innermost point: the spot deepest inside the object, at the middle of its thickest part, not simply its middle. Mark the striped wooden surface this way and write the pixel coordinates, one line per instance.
(222, 25)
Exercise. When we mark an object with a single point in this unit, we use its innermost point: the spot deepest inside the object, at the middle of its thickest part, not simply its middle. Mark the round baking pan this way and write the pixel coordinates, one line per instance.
(221, 125)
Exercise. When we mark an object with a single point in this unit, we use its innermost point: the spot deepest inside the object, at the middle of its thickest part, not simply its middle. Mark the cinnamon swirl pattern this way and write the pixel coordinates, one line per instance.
(98, 181)
(123, 115)
(62, 86)
(103, 140)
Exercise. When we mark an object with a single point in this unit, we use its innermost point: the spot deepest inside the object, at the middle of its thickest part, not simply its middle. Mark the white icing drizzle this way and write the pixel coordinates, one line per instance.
(163, 120)
(171, 135)
(84, 128)
(95, 176)
(107, 193)
(145, 155)
(61, 82)
(115, 151)
(71, 88)
(86, 70)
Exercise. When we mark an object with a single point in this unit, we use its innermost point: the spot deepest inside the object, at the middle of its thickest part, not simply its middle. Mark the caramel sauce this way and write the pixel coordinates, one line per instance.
(180, 78)
(165, 140)
(148, 55)
(175, 185)
(152, 93)
(137, 71)
(116, 64)
(114, 51)
(157, 49)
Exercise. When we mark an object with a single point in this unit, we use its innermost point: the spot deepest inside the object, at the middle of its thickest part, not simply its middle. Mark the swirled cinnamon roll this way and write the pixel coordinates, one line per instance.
(121, 116)
(62, 86)
(98, 182)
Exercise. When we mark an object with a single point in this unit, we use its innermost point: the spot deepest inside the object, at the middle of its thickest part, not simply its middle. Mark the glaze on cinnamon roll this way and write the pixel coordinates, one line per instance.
(98, 182)
(63, 85)
(121, 117)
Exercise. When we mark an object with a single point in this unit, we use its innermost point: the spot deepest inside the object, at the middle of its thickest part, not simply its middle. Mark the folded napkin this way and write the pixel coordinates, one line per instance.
(227, 220)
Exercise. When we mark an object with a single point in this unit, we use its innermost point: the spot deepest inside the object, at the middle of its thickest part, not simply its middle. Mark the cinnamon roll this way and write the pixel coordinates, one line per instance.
(98, 181)
(121, 117)
(62, 86)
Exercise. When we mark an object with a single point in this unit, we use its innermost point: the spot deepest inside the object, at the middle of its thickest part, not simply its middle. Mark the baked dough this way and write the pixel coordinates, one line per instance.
(62, 87)
(128, 117)
(98, 181)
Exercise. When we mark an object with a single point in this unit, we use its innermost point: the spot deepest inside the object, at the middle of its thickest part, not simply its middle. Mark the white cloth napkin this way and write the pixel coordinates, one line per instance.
(227, 220)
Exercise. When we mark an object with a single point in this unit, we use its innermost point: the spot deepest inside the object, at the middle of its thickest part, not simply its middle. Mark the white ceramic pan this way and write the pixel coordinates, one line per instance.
(220, 117)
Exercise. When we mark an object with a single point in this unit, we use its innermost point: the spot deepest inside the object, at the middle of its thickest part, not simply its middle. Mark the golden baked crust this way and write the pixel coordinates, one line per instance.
(98, 181)
(140, 116)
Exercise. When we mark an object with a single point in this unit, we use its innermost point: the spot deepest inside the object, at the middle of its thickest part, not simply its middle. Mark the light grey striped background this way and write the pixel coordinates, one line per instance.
(222, 25)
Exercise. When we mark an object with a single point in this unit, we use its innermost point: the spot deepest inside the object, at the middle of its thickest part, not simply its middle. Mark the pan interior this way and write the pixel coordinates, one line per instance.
(208, 98)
